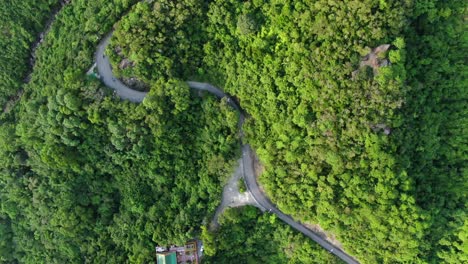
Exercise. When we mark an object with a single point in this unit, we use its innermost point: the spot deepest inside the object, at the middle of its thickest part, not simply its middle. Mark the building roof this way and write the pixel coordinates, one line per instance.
(167, 258)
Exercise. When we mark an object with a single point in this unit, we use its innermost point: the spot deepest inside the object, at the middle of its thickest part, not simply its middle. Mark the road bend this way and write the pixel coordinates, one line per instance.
(124, 92)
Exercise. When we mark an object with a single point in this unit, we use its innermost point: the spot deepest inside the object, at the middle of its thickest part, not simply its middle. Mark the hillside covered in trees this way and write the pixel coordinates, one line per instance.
(86, 177)
(20, 23)
(375, 156)
(248, 236)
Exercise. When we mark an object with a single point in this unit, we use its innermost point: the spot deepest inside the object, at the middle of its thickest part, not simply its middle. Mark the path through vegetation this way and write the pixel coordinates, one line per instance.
(125, 92)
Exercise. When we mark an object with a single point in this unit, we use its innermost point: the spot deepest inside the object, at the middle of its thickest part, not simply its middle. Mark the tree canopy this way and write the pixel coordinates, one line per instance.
(246, 235)
(375, 154)
(377, 159)
(20, 23)
(87, 177)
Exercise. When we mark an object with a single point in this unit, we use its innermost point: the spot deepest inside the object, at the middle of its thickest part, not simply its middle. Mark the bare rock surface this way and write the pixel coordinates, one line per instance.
(374, 60)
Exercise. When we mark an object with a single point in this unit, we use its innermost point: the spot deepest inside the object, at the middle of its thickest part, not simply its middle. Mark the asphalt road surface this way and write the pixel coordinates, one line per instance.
(105, 71)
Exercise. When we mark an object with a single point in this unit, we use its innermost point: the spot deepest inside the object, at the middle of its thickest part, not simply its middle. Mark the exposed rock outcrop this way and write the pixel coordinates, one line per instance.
(374, 60)
(381, 127)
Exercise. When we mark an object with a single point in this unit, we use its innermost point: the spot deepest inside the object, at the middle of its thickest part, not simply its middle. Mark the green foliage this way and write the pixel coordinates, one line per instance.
(247, 236)
(379, 161)
(88, 178)
(6, 248)
(314, 127)
(241, 185)
(20, 22)
(454, 245)
(163, 39)
(246, 24)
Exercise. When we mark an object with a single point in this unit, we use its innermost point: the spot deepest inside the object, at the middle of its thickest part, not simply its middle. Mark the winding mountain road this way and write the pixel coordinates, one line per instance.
(105, 71)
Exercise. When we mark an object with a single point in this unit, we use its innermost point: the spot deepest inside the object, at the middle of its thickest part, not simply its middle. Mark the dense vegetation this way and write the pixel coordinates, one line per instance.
(248, 236)
(162, 40)
(378, 159)
(88, 178)
(387, 197)
(20, 22)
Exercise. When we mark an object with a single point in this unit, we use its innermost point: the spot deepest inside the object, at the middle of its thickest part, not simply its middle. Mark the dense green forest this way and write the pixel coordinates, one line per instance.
(86, 177)
(248, 236)
(388, 198)
(162, 40)
(378, 159)
(20, 22)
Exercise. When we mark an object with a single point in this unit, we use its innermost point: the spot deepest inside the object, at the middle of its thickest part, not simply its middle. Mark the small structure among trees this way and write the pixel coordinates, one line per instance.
(166, 258)
(178, 254)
